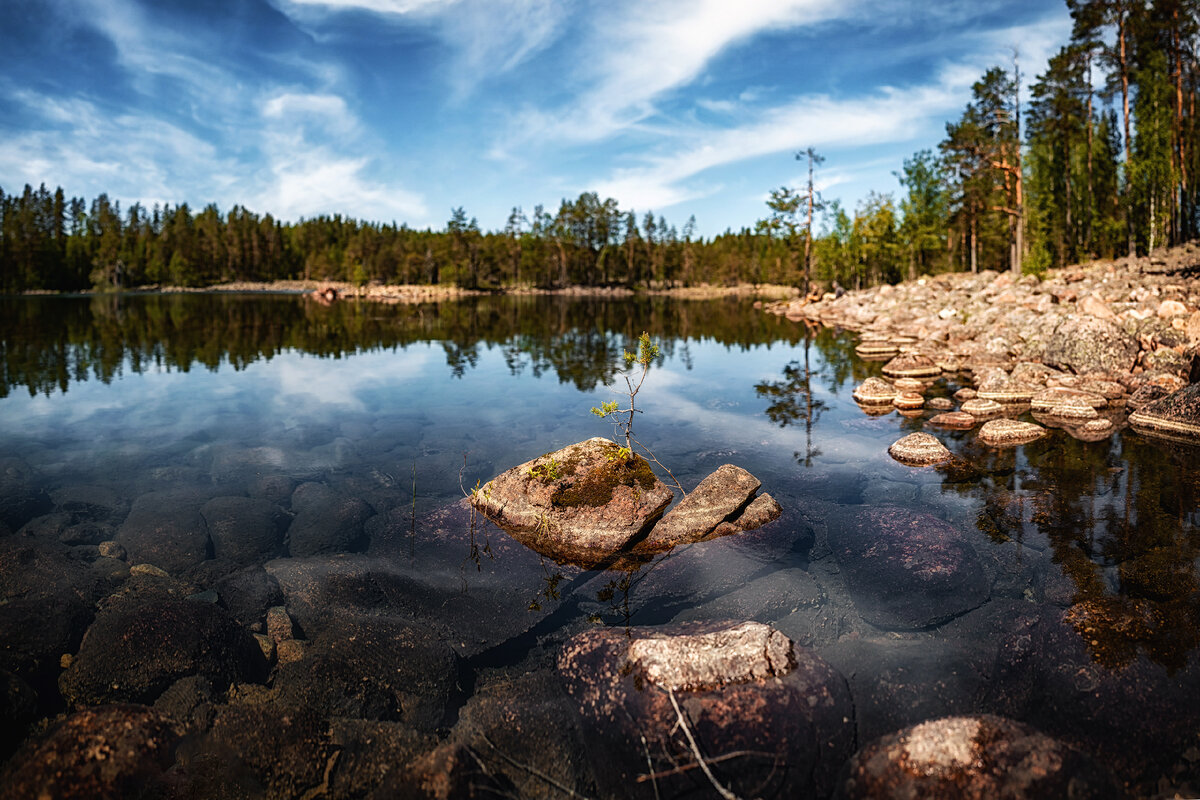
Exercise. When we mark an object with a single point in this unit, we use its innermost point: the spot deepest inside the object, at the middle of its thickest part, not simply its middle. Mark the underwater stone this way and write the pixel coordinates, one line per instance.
(907, 570)
(964, 758)
(741, 687)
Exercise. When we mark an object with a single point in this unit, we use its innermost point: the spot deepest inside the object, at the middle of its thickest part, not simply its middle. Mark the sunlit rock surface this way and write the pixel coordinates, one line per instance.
(974, 758)
(580, 504)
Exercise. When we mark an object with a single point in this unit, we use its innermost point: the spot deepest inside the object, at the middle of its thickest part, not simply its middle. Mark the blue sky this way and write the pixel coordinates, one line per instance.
(399, 110)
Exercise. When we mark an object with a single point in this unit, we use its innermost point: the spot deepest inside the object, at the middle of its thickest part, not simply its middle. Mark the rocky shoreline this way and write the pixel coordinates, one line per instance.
(1081, 346)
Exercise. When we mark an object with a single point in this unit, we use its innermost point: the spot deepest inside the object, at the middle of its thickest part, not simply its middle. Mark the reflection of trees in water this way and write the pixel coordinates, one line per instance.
(1120, 518)
(47, 343)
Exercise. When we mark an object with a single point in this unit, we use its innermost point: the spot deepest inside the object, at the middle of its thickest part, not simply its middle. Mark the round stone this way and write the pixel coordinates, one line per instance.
(875, 391)
(958, 420)
(1064, 406)
(965, 393)
(912, 365)
(919, 450)
(876, 349)
(1008, 432)
(908, 401)
(974, 757)
(939, 403)
(982, 408)
(910, 385)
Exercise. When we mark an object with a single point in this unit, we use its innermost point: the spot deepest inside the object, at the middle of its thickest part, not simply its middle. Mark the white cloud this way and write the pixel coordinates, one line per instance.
(309, 171)
(816, 121)
(377, 6)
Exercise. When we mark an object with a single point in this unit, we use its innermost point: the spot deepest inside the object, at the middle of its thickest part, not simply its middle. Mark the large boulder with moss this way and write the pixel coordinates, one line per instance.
(581, 504)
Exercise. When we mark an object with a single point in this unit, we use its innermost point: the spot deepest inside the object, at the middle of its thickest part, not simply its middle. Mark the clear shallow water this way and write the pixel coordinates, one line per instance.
(404, 407)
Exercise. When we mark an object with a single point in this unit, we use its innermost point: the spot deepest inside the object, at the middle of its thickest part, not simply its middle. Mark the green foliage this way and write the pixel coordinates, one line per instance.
(548, 471)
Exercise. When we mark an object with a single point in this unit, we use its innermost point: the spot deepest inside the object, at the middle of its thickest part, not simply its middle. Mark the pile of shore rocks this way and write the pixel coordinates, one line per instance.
(1079, 345)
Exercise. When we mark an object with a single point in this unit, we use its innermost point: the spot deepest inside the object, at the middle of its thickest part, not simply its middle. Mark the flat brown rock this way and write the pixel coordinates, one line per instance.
(919, 450)
(718, 497)
(908, 401)
(959, 420)
(1177, 415)
(875, 391)
(1007, 432)
(912, 366)
(978, 407)
(581, 504)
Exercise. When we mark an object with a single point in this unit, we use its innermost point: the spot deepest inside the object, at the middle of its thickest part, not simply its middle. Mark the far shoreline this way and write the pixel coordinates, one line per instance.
(416, 293)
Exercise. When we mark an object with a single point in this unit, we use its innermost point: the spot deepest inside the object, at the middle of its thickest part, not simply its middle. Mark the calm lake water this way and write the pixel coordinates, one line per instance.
(1082, 618)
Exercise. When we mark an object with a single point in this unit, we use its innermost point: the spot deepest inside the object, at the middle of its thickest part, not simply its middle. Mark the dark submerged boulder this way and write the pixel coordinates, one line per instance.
(139, 646)
(327, 521)
(108, 753)
(167, 530)
(245, 530)
(907, 570)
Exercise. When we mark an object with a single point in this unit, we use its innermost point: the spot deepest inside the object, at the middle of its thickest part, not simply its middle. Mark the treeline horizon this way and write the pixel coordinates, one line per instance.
(1071, 173)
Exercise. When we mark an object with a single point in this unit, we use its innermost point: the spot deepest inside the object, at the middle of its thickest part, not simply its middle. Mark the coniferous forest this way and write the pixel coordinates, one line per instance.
(1101, 161)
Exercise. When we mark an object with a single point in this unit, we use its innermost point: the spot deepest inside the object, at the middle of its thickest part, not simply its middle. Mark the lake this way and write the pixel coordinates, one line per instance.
(266, 451)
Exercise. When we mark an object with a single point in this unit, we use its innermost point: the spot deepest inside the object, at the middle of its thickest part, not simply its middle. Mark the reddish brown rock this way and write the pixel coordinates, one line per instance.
(919, 450)
(1009, 432)
(717, 498)
(958, 420)
(105, 753)
(739, 687)
(581, 504)
(912, 366)
(974, 758)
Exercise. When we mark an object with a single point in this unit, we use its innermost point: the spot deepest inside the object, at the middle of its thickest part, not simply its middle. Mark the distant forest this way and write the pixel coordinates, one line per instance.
(1023, 183)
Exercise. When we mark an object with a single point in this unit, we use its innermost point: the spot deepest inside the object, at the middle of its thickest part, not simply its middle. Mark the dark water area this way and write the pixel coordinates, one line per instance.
(267, 452)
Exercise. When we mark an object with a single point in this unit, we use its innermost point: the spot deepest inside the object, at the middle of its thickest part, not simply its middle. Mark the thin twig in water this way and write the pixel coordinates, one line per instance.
(728, 795)
(650, 766)
(532, 771)
(712, 760)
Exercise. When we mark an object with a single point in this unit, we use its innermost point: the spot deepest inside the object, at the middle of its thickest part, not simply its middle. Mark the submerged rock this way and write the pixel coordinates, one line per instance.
(327, 521)
(974, 758)
(739, 687)
(957, 420)
(167, 530)
(919, 450)
(907, 570)
(106, 753)
(137, 647)
(245, 530)
(1177, 415)
(580, 504)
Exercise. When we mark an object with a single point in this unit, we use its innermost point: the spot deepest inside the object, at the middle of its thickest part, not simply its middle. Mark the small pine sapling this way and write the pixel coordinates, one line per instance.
(622, 418)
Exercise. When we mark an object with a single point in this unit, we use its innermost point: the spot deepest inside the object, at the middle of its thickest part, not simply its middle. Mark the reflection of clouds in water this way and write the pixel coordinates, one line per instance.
(307, 382)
